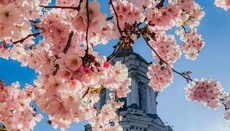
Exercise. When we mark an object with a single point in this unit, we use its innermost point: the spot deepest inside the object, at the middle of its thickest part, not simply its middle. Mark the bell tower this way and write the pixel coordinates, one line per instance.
(141, 95)
(139, 111)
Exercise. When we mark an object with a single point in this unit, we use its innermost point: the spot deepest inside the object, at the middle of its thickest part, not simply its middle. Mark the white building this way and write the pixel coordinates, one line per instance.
(139, 112)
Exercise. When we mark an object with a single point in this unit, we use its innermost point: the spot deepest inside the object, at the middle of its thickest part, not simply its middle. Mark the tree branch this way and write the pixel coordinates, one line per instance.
(68, 42)
(183, 75)
(162, 60)
(223, 102)
(117, 19)
(62, 7)
(28, 36)
(64, 51)
(115, 51)
(87, 28)
(87, 91)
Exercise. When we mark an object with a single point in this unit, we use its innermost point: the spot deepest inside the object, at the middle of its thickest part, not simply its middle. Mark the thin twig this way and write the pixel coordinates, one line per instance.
(115, 52)
(79, 6)
(223, 102)
(115, 49)
(68, 42)
(182, 74)
(117, 19)
(64, 51)
(28, 36)
(86, 38)
(155, 52)
(61, 7)
(56, 69)
(87, 91)
(87, 28)
(225, 107)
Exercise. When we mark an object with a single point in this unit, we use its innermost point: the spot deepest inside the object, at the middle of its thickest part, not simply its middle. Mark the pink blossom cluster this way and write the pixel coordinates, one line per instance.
(185, 5)
(71, 94)
(70, 78)
(189, 17)
(15, 110)
(166, 46)
(55, 29)
(108, 113)
(128, 13)
(59, 99)
(207, 92)
(100, 31)
(163, 18)
(114, 79)
(192, 44)
(191, 12)
(225, 4)
(71, 74)
(14, 18)
(160, 76)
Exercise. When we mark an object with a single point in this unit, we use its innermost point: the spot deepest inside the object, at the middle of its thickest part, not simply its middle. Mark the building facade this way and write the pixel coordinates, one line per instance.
(139, 112)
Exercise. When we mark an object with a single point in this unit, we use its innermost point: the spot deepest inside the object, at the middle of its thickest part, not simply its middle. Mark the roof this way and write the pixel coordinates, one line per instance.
(129, 51)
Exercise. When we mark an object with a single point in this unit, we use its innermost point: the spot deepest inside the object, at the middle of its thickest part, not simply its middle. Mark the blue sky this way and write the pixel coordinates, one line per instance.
(213, 62)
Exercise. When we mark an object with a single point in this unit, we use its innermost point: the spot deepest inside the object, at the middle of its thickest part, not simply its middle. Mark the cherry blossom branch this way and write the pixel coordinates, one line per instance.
(85, 58)
(184, 75)
(86, 92)
(115, 51)
(56, 69)
(68, 42)
(28, 36)
(224, 104)
(64, 51)
(125, 41)
(62, 7)
(117, 19)
(225, 107)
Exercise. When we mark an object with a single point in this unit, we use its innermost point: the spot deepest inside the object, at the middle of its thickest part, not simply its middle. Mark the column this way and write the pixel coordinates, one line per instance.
(134, 92)
(133, 96)
(151, 101)
(128, 99)
(154, 102)
(148, 100)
